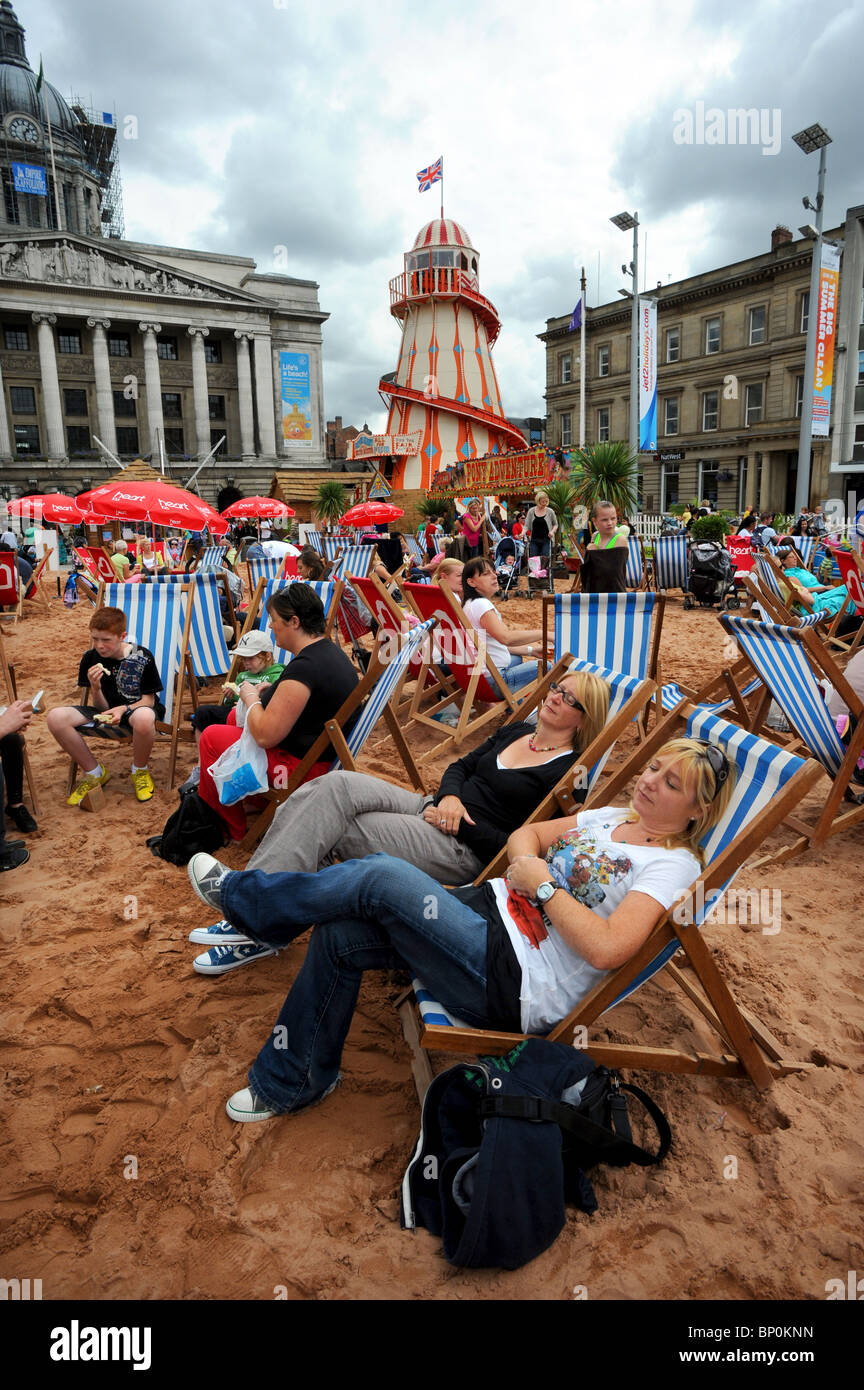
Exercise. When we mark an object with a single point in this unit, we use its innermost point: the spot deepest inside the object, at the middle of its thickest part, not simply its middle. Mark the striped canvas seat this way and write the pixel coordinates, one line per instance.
(354, 559)
(315, 539)
(634, 574)
(263, 569)
(386, 687)
(207, 646)
(670, 563)
(806, 547)
(418, 554)
(332, 546)
(611, 630)
(326, 591)
(778, 598)
(671, 696)
(212, 557)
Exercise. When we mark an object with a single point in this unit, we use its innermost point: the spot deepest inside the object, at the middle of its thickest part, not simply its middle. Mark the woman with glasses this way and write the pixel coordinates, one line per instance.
(285, 718)
(482, 798)
(581, 896)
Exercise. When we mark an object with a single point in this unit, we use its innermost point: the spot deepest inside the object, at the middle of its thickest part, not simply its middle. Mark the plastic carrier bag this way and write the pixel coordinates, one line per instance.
(240, 771)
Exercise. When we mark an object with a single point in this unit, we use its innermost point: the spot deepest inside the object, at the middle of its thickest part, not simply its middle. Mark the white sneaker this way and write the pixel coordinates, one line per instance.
(244, 1106)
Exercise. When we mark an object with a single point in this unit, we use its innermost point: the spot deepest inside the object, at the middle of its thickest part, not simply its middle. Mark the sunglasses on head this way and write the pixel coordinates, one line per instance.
(556, 689)
(719, 764)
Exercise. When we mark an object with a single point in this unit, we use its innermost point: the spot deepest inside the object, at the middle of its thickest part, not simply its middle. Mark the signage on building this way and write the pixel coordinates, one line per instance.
(30, 178)
(826, 320)
(647, 375)
(379, 489)
(669, 456)
(296, 400)
(381, 445)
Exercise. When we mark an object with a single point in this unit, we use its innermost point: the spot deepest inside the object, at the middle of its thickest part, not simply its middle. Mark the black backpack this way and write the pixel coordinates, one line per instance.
(193, 827)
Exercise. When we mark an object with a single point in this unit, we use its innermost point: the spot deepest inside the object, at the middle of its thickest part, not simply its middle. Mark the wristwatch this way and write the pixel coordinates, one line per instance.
(543, 892)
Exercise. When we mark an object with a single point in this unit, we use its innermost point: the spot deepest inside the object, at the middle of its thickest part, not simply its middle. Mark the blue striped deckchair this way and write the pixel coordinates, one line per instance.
(670, 563)
(635, 573)
(332, 546)
(774, 592)
(353, 559)
(347, 733)
(212, 557)
(207, 646)
(770, 781)
(806, 547)
(262, 569)
(787, 660)
(329, 592)
(315, 539)
(611, 630)
(418, 554)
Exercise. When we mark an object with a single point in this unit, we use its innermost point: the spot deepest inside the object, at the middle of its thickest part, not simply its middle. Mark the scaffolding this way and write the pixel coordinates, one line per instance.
(101, 162)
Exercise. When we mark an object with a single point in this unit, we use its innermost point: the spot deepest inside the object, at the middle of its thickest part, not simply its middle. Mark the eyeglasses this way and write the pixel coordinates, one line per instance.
(719, 764)
(556, 689)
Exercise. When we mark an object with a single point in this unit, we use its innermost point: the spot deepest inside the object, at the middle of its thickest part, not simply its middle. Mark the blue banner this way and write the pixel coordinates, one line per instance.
(30, 178)
(647, 375)
(296, 400)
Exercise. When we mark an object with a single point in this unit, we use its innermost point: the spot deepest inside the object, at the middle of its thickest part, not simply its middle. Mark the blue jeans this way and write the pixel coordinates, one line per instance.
(370, 914)
(519, 673)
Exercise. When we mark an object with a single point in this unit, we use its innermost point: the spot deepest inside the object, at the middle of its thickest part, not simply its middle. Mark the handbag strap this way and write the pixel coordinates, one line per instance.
(611, 1144)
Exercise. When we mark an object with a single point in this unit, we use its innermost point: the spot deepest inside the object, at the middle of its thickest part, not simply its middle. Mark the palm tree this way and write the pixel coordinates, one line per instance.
(331, 502)
(606, 473)
(429, 507)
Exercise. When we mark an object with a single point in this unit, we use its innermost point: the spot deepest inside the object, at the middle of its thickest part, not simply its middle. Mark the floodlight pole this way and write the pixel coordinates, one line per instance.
(802, 481)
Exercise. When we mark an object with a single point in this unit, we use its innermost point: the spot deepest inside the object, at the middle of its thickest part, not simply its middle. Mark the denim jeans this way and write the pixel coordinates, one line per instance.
(519, 673)
(370, 914)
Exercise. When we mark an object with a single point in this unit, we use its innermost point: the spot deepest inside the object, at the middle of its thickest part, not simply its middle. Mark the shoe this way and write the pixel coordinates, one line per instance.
(143, 784)
(12, 855)
(86, 785)
(221, 958)
(221, 934)
(206, 875)
(245, 1106)
(22, 818)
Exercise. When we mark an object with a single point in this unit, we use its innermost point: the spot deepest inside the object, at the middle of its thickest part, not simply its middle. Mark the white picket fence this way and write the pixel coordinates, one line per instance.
(650, 524)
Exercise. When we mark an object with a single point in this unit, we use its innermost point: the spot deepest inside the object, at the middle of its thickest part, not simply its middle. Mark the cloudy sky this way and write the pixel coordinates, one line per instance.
(302, 123)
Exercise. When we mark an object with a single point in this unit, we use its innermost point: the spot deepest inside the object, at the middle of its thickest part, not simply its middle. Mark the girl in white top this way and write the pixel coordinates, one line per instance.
(506, 646)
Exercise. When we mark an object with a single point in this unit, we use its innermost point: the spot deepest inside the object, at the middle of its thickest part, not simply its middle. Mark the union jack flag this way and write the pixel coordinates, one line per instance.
(433, 174)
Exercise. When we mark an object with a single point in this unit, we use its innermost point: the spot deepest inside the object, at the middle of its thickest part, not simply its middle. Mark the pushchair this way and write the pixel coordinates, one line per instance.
(711, 574)
(540, 575)
(508, 565)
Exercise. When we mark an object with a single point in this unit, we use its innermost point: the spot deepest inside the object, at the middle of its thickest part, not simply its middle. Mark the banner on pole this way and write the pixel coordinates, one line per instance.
(296, 400)
(826, 321)
(647, 375)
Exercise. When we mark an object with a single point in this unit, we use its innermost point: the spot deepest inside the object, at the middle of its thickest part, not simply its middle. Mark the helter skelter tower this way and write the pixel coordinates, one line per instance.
(445, 385)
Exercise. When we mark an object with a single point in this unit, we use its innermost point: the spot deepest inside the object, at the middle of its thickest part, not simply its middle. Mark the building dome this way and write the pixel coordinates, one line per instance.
(18, 81)
(442, 232)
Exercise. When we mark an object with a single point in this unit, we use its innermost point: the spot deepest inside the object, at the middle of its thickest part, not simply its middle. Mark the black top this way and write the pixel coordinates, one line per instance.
(503, 972)
(499, 800)
(326, 670)
(605, 571)
(126, 678)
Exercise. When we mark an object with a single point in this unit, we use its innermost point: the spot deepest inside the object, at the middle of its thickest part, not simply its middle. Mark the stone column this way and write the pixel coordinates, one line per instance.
(5, 436)
(153, 387)
(244, 396)
(56, 451)
(104, 389)
(199, 387)
(264, 394)
(80, 208)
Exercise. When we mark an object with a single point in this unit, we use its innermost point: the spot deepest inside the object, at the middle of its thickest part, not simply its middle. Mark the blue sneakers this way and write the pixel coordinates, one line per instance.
(221, 958)
(220, 934)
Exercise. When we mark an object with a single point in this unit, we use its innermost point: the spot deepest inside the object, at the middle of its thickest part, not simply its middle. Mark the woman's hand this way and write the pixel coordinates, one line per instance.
(526, 873)
(249, 693)
(447, 815)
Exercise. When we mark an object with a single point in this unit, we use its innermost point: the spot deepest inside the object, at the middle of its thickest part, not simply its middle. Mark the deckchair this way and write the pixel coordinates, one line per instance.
(806, 547)
(618, 631)
(329, 592)
(207, 645)
(774, 591)
(418, 554)
(636, 573)
(347, 732)
(212, 556)
(316, 540)
(393, 624)
(787, 660)
(100, 560)
(770, 783)
(159, 617)
(476, 675)
(263, 569)
(670, 563)
(11, 589)
(852, 573)
(8, 672)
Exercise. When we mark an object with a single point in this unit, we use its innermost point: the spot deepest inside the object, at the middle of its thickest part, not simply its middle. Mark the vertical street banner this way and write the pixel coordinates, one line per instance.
(647, 375)
(296, 400)
(826, 321)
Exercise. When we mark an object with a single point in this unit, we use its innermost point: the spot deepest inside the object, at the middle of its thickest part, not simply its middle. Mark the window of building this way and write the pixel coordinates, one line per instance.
(216, 407)
(799, 396)
(22, 400)
(712, 336)
(79, 439)
(860, 366)
(858, 446)
(69, 342)
(166, 348)
(753, 403)
(174, 442)
(758, 317)
(119, 345)
(75, 402)
(123, 404)
(743, 469)
(804, 314)
(710, 410)
(16, 339)
(127, 440)
(758, 480)
(603, 360)
(10, 199)
(172, 405)
(668, 485)
(708, 470)
(670, 415)
(673, 344)
(565, 365)
(27, 439)
(212, 351)
(603, 424)
(566, 430)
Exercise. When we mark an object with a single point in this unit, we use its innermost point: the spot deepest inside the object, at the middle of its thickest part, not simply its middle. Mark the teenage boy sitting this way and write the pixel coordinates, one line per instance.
(123, 687)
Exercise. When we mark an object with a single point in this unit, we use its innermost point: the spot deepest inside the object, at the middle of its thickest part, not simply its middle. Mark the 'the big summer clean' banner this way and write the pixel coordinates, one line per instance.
(647, 375)
(296, 400)
(826, 320)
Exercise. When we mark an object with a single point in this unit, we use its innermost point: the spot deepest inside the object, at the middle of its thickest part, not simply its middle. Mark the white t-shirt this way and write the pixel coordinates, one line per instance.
(497, 652)
(277, 550)
(599, 873)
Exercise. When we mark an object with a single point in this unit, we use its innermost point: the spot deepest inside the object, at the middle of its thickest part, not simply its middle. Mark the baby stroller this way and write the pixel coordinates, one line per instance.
(711, 574)
(508, 565)
(539, 575)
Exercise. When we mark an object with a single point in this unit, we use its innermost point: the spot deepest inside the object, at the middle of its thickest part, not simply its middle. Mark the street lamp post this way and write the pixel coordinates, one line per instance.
(815, 137)
(625, 221)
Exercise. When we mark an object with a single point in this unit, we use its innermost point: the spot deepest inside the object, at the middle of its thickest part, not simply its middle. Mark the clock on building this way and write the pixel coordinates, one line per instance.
(20, 128)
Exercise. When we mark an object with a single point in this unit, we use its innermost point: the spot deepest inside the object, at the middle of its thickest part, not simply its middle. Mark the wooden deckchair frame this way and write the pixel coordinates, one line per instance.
(440, 682)
(38, 579)
(753, 1051)
(8, 671)
(780, 611)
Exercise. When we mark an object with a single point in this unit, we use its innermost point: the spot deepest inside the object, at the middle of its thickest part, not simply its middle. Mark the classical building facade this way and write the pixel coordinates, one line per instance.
(731, 347)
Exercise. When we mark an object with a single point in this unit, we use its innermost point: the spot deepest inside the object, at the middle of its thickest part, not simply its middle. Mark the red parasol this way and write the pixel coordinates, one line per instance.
(55, 507)
(252, 507)
(371, 514)
(153, 501)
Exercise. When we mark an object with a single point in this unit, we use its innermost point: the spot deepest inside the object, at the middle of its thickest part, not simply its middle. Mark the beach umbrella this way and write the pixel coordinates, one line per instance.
(54, 507)
(371, 514)
(153, 501)
(256, 507)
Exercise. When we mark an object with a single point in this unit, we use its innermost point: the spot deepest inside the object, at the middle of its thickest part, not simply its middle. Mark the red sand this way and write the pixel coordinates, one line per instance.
(117, 1058)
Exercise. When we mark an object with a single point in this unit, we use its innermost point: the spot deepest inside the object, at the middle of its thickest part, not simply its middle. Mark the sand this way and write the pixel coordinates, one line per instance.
(123, 1178)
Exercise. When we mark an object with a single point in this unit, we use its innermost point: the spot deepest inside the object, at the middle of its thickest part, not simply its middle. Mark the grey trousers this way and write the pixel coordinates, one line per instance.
(347, 815)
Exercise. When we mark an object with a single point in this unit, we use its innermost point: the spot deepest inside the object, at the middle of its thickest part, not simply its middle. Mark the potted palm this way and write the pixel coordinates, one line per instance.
(331, 502)
(605, 473)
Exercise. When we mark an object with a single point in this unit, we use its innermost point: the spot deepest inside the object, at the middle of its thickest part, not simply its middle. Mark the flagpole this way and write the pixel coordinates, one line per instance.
(442, 190)
(50, 148)
(583, 285)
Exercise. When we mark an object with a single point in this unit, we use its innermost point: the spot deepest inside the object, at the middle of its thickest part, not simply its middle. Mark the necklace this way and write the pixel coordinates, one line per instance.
(634, 820)
(544, 747)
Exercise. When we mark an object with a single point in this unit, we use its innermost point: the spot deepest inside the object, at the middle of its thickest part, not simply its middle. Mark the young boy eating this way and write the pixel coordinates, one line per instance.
(123, 686)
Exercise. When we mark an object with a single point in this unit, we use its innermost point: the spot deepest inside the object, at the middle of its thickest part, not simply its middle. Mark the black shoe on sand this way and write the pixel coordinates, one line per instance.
(22, 819)
(12, 855)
